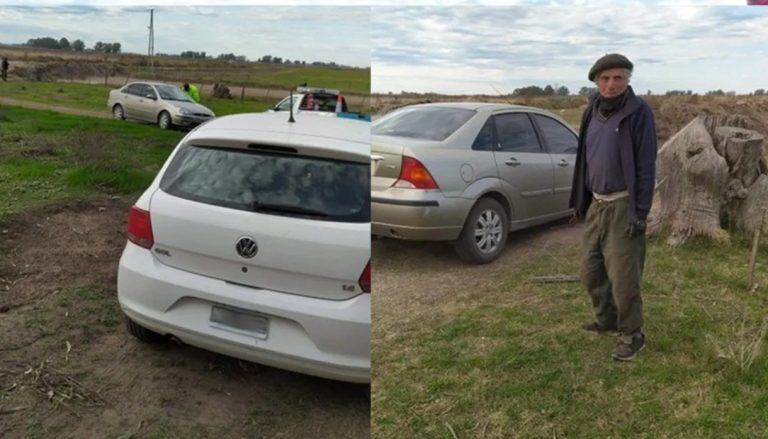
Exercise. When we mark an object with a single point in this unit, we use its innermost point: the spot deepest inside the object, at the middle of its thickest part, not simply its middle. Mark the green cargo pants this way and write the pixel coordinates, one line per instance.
(612, 266)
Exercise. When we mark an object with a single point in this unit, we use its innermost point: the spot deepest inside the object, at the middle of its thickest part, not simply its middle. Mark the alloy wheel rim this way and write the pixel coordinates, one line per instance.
(488, 231)
(117, 113)
(164, 121)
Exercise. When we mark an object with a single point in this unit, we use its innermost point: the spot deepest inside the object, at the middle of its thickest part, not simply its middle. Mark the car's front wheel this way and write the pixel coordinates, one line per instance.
(143, 333)
(164, 120)
(484, 234)
(118, 113)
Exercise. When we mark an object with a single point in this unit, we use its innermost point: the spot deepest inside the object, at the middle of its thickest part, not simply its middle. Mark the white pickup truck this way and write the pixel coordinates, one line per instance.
(313, 99)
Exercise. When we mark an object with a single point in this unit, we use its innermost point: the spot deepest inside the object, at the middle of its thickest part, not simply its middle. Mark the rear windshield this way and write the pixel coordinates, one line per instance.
(278, 184)
(429, 123)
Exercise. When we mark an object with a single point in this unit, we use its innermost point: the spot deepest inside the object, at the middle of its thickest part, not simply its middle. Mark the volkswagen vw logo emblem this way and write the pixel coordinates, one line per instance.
(246, 247)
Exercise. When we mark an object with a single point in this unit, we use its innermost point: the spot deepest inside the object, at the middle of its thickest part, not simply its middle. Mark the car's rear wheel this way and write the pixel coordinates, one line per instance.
(118, 113)
(484, 234)
(164, 120)
(143, 333)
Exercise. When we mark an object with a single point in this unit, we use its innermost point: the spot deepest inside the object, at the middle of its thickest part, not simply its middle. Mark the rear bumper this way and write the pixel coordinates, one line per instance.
(432, 217)
(325, 338)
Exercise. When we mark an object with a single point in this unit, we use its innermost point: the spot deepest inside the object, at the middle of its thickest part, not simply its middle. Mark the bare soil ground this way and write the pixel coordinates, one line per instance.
(69, 369)
(427, 282)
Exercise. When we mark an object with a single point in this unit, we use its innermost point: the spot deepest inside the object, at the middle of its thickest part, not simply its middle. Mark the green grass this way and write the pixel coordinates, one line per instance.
(94, 97)
(264, 76)
(517, 364)
(47, 156)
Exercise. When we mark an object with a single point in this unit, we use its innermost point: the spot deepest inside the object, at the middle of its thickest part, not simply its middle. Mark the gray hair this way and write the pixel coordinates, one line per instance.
(627, 76)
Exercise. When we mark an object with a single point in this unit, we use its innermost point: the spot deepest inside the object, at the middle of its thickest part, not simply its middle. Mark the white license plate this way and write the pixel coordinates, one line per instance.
(240, 321)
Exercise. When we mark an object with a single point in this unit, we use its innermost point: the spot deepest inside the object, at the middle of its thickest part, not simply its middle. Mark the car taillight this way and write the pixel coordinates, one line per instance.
(140, 228)
(414, 175)
(365, 278)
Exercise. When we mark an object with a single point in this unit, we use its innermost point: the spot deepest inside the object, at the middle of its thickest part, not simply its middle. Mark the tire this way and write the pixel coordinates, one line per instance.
(164, 120)
(143, 333)
(484, 234)
(118, 113)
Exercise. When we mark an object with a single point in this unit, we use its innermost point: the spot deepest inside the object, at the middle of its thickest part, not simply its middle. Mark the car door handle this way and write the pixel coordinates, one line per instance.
(512, 162)
(376, 158)
(563, 163)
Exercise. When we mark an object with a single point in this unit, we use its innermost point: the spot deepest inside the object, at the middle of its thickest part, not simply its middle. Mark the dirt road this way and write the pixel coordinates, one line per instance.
(69, 369)
(57, 108)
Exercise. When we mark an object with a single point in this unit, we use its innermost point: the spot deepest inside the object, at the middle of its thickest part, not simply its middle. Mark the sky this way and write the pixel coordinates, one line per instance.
(310, 33)
(472, 49)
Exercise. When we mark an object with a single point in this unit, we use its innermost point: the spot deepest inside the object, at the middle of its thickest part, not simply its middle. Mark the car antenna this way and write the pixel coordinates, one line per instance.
(497, 91)
(291, 119)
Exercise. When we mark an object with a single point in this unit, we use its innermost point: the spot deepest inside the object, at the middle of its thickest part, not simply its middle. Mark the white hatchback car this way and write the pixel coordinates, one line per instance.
(254, 241)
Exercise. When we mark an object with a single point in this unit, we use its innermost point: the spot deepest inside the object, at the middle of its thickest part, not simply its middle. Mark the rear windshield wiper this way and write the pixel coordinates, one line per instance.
(284, 208)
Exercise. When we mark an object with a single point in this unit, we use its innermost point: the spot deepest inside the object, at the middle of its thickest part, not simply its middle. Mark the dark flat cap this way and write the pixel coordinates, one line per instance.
(610, 61)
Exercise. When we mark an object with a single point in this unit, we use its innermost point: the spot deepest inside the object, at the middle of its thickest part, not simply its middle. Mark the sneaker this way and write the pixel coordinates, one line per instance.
(600, 329)
(629, 346)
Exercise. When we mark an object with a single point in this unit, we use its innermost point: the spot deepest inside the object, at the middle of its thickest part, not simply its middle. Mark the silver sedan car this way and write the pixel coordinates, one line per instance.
(469, 173)
(164, 104)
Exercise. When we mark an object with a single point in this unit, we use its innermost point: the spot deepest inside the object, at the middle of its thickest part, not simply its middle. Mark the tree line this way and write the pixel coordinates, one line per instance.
(77, 45)
(268, 59)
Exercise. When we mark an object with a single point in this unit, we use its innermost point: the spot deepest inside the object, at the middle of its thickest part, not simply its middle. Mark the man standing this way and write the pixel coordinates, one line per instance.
(613, 186)
(191, 91)
(4, 69)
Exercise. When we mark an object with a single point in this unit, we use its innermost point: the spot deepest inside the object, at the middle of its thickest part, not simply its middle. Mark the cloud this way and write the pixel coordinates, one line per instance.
(559, 41)
(310, 33)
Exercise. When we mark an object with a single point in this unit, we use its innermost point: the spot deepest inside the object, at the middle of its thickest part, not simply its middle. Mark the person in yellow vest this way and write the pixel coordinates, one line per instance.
(191, 91)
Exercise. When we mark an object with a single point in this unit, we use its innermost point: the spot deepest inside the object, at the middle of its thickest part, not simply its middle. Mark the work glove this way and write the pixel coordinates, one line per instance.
(636, 229)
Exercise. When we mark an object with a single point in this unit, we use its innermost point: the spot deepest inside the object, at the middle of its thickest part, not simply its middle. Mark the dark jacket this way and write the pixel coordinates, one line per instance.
(637, 152)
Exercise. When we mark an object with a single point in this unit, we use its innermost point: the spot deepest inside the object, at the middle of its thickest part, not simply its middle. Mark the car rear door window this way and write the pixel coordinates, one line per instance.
(133, 89)
(557, 138)
(429, 123)
(280, 184)
(486, 138)
(515, 132)
(148, 91)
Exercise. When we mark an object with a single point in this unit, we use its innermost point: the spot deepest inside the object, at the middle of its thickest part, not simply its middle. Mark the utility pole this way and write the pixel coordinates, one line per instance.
(151, 48)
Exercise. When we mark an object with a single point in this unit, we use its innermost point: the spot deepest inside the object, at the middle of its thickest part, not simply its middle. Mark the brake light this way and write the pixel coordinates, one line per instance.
(365, 278)
(140, 228)
(414, 175)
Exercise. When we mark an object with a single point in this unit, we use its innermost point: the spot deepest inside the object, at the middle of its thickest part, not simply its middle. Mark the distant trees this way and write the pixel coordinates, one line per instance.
(45, 43)
(60, 44)
(679, 93)
(193, 54)
(535, 90)
(760, 92)
(107, 47)
(586, 91)
(231, 57)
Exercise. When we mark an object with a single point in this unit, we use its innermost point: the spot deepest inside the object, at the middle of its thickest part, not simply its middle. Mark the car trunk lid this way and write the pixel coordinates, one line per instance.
(202, 216)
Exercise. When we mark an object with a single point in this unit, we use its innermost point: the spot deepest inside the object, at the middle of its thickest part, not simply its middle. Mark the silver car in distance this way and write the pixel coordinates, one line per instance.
(164, 104)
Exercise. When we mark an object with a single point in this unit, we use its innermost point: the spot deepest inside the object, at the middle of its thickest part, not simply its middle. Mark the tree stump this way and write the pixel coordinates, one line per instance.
(713, 172)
